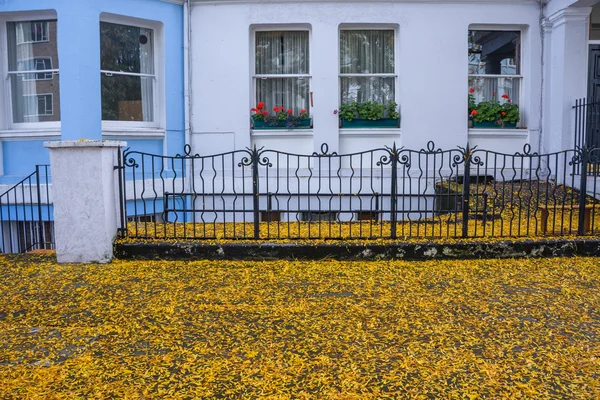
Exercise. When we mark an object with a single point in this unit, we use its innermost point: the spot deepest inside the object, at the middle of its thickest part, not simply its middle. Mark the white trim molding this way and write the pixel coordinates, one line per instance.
(30, 134)
(498, 133)
(571, 14)
(377, 132)
(278, 133)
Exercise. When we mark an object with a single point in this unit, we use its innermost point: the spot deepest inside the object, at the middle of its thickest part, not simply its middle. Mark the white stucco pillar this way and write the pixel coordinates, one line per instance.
(566, 74)
(325, 85)
(86, 202)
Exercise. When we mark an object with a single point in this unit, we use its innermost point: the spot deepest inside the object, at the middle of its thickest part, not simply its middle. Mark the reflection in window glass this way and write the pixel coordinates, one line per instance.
(32, 47)
(128, 78)
(495, 65)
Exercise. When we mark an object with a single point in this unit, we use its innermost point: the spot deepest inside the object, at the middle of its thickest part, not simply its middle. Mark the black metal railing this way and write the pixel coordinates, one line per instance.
(26, 214)
(385, 193)
(587, 124)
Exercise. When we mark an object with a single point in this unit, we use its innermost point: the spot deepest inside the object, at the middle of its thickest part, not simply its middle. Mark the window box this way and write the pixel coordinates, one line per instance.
(366, 123)
(304, 123)
(494, 125)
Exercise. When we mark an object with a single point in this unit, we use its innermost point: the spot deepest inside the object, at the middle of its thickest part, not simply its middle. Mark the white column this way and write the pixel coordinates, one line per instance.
(86, 199)
(325, 85)
(566, 74)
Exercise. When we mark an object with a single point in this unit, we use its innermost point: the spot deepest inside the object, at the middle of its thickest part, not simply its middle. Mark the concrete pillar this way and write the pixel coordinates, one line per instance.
(86, 199)
(566, 74)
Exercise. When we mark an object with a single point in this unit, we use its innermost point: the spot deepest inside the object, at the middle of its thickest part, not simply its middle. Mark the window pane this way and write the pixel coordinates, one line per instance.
(282, 53)
(126, 48)
(487, 89)
(494, 52)
(31, 46)
(367, 52)
(27, 55)
(35, 101)
(127, 98)
(363, 89)
(291, 93)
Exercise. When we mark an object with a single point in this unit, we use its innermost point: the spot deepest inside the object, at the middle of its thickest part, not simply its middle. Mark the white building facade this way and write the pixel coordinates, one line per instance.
(424, 55)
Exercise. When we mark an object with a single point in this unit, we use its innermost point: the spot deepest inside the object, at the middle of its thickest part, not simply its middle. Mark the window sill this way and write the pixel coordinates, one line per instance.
(31, 134)
(133, 132)
(371, 132)
(281, 133)
(519, 132)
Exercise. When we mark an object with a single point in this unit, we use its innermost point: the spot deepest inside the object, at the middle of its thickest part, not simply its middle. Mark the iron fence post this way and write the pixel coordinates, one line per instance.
(122, 201)
(255, 202)
(394, 190)
(466, 192)
(41, 244)
(583, 190)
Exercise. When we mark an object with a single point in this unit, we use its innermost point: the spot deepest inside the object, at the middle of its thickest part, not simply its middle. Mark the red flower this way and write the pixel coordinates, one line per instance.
(472, 90)
(264, 113)
(474, 112)
(253, 109)
(290, 111)
(276, 109)
(509, 101)
(335, 112)
(260, 105)
(303, 111)
(505, 96)
(503, 113)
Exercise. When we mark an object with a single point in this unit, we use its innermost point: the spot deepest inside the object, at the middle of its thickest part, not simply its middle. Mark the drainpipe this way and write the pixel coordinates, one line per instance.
(186, 70)
(542, 4)
(186, 90)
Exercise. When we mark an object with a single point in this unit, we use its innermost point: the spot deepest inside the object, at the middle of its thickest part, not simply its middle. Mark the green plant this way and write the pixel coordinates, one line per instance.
(497, 112)
(369, 110)
(281, 114)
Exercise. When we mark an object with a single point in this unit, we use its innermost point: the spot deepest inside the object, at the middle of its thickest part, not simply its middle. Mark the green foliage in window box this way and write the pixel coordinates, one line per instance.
(369, 110)
(281, 118)
(494, 113)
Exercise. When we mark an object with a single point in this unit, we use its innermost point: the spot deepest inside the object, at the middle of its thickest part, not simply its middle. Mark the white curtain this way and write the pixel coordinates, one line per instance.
(147, 67)
(487, 89)
(280, 53)
(367, 52)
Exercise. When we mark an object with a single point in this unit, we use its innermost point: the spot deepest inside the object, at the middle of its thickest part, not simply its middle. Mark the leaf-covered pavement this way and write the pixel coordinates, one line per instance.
(485, 329)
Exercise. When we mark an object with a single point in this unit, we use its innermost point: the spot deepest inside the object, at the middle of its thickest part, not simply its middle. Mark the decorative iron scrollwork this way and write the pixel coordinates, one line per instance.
(187, 153)
(430, 148)
(527, 152)
(324, 152)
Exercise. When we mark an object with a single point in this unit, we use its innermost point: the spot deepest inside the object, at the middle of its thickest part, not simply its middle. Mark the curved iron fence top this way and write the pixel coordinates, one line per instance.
(325, 153)
(387, 154)
(187, 154)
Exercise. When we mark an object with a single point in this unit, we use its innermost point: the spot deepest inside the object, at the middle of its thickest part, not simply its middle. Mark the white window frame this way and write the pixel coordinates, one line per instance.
(20, 34)
(7, 125)
(157, 78)
(504, 28)
(370, 27)
(255, 76)
(38, 95)
(45, 71)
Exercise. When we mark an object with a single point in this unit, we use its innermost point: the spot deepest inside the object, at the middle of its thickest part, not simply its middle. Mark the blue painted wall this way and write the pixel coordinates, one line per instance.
(79, 58)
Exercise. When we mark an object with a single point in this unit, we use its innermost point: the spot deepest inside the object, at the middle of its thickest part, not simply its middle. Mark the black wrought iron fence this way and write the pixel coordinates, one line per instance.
(26, 214)
(384, 193)
(587, 123)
